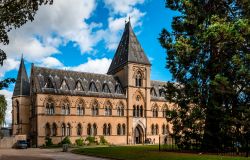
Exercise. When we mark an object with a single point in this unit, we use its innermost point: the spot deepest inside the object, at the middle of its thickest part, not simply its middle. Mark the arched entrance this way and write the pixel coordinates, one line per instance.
(138, 135)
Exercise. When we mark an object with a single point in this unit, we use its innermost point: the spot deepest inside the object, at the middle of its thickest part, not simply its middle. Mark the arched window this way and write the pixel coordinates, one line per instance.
(68, 130)
(137, 111)
(164, 129)
(109, 129)
(94, 129)
(141, 111)
(153, 92)
(108, 109)
(54, 129)
(153, 129)
(155, 112)
(50, 110)
(95, 109)
(79, 129)
(47, 130)
(64, 85)
(105, 88)
(105, 129)
(119, 129)
(92, 87)
(78, 86)
(80, 109)
(134, 111)
(164, 112)
(118, 89)
(156, 129)
(123, 129)
(48, 83)
(138, 80)
(120, 110)
(17, 112)
(89, 129)
(65, 109)
(63, 129)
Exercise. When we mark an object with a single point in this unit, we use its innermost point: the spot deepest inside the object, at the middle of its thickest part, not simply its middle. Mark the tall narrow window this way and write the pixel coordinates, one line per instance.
(94, 129)
(105, 129)
(141, 111)
(153, 129)
(108, 109)
(118, 89)
(156, 129)
(63, 129)
(153, 92)
(119, 129)
(95, 110)
(50, 110)
(155, 112)
(65, 109)
(54, 129)
(123, 129)
(47, 130)
(89, 129)
(138, 80)
(79, 129)
(137, 111)
(164, 129)
(109, 129)
(80, 109)
(68, 130)
(134, 111)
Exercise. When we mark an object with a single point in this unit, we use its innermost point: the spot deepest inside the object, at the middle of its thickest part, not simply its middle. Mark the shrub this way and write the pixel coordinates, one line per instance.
(79, 141)
(48, 142)
(66, 140)
(90, 139)
(103, 140)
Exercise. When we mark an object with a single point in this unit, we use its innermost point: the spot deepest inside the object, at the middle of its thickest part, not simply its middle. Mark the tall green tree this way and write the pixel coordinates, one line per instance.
(13, 14)
(3, 108)
(208, 54)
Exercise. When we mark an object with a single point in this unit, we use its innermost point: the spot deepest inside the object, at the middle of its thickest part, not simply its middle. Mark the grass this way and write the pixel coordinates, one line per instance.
(146, 153)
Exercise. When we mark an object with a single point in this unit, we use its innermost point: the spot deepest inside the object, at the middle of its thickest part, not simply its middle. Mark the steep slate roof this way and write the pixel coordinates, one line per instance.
(158, 86)
(22, 86)
(41, 74)
(129, 50)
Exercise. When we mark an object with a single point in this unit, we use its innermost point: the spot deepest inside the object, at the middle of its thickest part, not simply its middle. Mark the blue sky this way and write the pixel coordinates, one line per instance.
(83, 36)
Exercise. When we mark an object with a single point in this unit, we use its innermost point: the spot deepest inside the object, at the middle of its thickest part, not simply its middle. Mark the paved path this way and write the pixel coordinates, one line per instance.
(41, 154)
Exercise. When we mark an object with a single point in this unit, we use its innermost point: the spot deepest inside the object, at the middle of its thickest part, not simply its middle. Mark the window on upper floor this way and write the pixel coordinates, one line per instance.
(64, 85)
(105, 88)
(120, 110)
(95, 109)
(65, 109)
(155, 112)
(50, 109)
(153, 92)
(118, 89)
(138, 80)
(80, 110)
(92, 87)
(48, 83)
(78, 86)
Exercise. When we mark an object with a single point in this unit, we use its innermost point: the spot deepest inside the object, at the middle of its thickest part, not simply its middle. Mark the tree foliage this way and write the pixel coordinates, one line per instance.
(3, 108)
(13, 14)
(208, 54)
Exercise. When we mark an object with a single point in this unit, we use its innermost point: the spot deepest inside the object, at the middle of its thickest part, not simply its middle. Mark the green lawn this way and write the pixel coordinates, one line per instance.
(146, 153)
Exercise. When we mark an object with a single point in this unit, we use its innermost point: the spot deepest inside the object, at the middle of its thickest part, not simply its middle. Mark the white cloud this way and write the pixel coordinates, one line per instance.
(8, 65)
(8, 95)
(51, 62)
(93, 66)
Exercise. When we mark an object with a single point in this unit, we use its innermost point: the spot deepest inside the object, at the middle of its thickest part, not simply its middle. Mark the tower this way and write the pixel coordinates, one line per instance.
(132, 66)
(21, 102)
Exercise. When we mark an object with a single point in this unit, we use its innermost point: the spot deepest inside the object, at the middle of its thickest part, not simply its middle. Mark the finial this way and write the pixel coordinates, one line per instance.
(129, 18)
(22, 56)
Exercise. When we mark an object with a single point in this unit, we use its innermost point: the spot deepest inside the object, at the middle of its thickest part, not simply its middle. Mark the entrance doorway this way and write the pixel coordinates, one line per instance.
(138, 135)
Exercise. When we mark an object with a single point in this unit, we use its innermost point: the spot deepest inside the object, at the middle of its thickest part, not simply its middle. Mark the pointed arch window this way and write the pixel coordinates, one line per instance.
(63, 129)
(54, 129)
(164, 112)
(164, 129)
(155, 112)
(95, 109)
(48, 83)
(80, 109)
(78, 86)
(79, 129)
(118, 89)
(120, 110)
(105, 88)
(92, 87)
(123, 129)
(50, 109)
(153, 92)
(65, 109)
(17, 112)
(68, 130)
(89, 129)
(94, 129)
(47, 130)
(119, 129)
(138, 79)
(64, 85)
(108, 109)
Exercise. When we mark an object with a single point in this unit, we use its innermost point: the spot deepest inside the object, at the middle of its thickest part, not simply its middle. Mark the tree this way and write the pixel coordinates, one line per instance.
(13, 14)
(3, 108)
(208, 54)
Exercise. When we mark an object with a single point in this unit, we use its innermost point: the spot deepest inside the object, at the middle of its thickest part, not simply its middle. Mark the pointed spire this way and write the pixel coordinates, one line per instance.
(22, 86)
(129, 50)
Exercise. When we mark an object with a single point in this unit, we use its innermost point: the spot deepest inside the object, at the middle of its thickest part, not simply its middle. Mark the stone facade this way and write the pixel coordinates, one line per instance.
(124, 105)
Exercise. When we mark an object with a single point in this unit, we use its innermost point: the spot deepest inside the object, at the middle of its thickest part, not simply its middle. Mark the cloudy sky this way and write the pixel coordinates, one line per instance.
(82, 35)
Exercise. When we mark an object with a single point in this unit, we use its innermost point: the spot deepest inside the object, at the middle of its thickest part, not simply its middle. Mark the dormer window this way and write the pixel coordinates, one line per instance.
(153, 92)
(138, 80)
(118, 89)
(48, 83)
(78, 86)
(92, 87)
(105, 88)
(64, 85)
